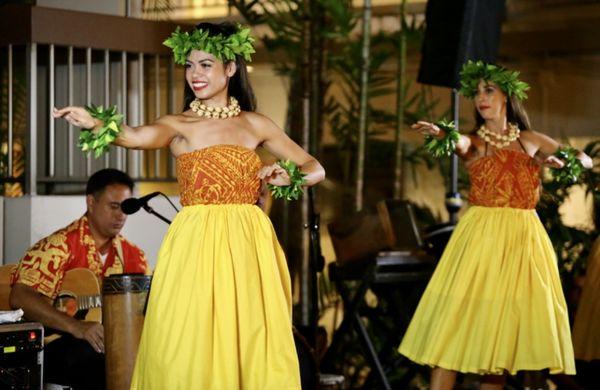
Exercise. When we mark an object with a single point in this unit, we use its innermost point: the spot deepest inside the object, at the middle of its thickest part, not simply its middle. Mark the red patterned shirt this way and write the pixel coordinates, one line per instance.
(44, 265)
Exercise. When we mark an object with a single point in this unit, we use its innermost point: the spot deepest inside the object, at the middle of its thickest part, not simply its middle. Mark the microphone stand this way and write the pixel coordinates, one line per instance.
(453, 200)
(155, 213)
(317, 263)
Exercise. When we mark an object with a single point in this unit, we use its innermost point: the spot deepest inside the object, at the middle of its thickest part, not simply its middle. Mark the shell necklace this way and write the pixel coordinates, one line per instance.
(499, 140)
(231, 110)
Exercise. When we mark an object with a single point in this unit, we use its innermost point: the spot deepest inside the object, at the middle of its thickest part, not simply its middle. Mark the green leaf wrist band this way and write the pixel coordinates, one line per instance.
(573, 168)
(294, 189)
(443, 147)
(99, 142)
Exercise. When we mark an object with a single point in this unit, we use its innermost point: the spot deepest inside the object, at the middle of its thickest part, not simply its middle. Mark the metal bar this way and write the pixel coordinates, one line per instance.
(453, 200)
(140, 153)
(70, 155)
(52, 103)
(10, 112)
(31, 183)
(88, 99)
(106, 94)
(363, 123)
(371, 352)
(157, 110)
(121, 156)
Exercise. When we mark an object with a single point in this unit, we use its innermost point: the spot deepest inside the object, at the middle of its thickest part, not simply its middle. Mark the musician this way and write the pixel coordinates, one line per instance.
(93, 242)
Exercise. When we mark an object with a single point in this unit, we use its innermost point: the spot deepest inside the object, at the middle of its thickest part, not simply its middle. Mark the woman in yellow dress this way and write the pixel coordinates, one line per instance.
(495, 303)
(219, 312)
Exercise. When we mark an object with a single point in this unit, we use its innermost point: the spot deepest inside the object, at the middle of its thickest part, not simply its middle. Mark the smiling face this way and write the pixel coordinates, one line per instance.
(207, 76)
(490, 101)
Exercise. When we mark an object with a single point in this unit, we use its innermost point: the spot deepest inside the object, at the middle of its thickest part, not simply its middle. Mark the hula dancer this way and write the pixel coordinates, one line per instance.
(219, 315)
(495, 303)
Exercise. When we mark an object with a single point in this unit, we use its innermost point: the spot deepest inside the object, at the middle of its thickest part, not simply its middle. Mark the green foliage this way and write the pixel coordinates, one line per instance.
(570, 172)
(474, 71)
(294, 190)
(224, 48)
(342, 109)
(337, 28)
(284, 19)
(99, 142)
(443, 147)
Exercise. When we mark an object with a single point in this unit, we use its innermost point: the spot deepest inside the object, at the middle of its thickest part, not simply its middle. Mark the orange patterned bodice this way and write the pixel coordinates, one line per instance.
(507, 178)
(219, 174)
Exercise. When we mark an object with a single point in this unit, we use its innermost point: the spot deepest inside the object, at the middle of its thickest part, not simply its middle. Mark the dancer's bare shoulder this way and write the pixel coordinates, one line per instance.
(261, 125)
(538, 143)
(180, 118)
(534, 136)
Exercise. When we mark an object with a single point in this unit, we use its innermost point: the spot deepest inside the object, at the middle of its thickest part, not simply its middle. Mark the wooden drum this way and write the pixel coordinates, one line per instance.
(123, 304)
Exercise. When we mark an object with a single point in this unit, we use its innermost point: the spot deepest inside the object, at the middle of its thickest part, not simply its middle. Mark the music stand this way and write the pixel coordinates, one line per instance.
(407, 264)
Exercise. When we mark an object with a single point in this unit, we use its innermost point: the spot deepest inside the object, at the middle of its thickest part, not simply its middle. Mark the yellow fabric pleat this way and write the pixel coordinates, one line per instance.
(586, 329)
(219, 315)
(495, 300)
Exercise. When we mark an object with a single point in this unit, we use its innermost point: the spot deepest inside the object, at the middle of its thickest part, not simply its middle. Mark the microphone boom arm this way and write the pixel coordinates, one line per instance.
(158, 215)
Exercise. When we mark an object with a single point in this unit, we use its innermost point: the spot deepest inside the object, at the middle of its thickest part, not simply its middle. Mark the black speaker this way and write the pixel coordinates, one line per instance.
(457, 31)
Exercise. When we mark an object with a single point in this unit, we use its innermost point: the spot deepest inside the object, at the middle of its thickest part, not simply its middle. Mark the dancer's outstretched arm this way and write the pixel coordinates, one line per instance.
(547, 146)
(153, 136)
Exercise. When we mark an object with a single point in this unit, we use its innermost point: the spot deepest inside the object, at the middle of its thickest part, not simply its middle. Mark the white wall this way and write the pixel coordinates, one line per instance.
(30, 218)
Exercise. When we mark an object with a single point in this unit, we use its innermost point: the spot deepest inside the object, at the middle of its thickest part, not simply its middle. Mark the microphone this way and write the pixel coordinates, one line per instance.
(132, 205)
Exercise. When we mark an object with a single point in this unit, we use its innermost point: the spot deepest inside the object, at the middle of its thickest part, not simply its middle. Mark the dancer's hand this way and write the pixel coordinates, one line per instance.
(274, 174)
(77, 116)
(554, 162)
(426, 128)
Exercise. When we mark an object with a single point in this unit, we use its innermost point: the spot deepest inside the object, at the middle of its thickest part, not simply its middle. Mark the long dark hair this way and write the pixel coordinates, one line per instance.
(239, 84)
(515, 113)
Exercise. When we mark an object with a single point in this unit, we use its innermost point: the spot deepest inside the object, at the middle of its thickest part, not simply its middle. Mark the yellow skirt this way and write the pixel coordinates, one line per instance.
(495, 301)
(219, 314)
(586, 329)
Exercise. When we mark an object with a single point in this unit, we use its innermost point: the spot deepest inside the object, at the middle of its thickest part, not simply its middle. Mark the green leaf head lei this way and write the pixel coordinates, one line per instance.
(508, 81)
(225, 48)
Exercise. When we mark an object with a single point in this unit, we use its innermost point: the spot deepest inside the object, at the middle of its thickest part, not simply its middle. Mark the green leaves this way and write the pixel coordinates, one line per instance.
(100, 141)
(224, 48)
(294, 189)
(474, 71)
(573, 168)
(443, 147)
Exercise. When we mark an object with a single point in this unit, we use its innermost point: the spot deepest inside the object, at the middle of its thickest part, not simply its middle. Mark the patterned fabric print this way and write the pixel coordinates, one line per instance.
(508, 178)
(219, 174)
(44, 265)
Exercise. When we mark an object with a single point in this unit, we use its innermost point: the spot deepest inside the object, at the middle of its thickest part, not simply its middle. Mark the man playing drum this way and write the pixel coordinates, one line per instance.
(91, 242)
